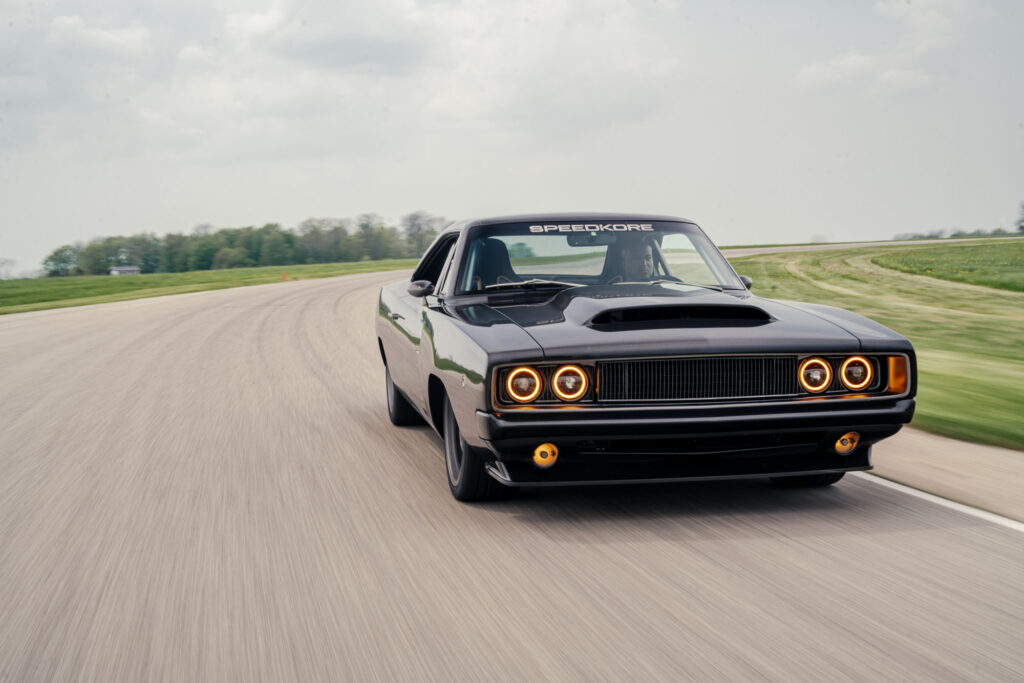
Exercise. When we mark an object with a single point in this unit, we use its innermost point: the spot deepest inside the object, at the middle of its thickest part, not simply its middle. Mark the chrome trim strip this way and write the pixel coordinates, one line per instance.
(508, 481)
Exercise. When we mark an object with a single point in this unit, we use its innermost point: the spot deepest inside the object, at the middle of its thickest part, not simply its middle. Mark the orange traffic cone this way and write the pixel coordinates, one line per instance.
(284, 276)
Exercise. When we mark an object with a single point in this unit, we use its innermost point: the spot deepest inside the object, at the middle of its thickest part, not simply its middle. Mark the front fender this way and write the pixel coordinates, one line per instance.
(451, 356)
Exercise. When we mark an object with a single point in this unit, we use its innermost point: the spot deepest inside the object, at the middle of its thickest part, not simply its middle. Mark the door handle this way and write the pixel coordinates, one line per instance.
(397, 316)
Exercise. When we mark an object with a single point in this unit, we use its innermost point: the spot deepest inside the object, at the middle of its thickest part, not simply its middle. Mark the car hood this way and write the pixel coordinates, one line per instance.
(637, 320)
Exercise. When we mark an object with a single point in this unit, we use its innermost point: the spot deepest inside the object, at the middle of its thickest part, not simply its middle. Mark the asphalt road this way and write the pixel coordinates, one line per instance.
(206, 488)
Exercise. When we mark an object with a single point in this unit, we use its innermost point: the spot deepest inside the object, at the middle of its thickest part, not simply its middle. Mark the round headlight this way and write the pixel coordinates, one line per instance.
(569, 383)
(856, 372)
(523, 384)
(815, 375)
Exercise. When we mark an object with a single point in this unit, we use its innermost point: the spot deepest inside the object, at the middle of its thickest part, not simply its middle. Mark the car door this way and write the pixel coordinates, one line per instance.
(406, 317)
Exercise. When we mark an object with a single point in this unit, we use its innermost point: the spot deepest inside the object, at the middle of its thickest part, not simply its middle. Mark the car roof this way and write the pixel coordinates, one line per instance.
(563, 218)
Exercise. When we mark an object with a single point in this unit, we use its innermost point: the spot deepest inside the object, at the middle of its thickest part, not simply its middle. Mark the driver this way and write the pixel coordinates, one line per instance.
(637, 261)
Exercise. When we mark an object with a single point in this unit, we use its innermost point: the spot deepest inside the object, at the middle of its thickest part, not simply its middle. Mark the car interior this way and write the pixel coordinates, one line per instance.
(492, 265)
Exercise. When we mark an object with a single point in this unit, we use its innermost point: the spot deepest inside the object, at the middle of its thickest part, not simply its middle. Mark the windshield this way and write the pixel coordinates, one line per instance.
(592, 254)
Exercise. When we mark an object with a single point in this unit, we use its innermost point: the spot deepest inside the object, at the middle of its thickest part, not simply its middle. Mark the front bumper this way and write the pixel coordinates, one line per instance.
(692, 443)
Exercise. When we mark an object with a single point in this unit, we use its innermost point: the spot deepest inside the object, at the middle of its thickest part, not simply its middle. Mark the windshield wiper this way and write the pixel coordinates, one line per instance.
(713, 288)
(667, 281)
(535, 283)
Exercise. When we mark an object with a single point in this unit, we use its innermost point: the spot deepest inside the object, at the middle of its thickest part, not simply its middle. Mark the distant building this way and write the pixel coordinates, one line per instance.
(125, 270)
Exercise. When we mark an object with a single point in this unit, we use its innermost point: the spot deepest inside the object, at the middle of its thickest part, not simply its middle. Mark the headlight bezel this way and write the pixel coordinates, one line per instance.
(570, 368)
(867, 380)
(877, 383)
(513, 374)
(815, 361)
(548, 396)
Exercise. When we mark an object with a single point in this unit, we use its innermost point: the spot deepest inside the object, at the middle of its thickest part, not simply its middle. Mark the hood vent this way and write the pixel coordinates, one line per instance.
(694, 315)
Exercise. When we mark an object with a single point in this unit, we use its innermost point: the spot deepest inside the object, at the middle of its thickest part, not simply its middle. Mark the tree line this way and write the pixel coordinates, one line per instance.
(315, 240)
(955, 234)
(941, 234)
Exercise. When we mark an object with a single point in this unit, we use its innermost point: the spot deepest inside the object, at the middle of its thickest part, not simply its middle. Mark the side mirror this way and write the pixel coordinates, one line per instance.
(747, 281)
(421, 288)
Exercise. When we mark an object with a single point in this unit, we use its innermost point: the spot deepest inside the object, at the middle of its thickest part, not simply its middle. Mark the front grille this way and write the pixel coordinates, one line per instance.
(683, 379)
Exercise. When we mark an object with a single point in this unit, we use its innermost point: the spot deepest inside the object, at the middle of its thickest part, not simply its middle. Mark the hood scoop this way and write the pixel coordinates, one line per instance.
(687, 315)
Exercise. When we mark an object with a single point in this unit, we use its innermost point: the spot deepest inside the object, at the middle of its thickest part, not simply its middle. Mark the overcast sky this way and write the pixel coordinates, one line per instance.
(762, 121)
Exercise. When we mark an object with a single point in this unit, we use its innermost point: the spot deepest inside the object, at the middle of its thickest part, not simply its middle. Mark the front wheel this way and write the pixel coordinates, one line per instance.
(467, 478)
(808, 480)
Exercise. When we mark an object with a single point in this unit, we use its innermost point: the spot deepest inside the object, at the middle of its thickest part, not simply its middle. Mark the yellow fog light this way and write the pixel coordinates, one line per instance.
(545, 455)
(523, 384)
(847, 442)
(856, 372)
(569, 382)
(815, 375)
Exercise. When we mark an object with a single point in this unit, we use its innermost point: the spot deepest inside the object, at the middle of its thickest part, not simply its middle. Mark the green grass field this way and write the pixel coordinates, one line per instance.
(969, 338)
(953, 240)
(991, 265)
(18, 296)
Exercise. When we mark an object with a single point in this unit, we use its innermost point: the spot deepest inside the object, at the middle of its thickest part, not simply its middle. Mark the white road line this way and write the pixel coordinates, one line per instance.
(944, 502)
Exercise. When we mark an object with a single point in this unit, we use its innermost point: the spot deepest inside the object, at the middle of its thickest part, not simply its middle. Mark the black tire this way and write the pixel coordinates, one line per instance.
(808, 480)
(464, 466)
(400, 411)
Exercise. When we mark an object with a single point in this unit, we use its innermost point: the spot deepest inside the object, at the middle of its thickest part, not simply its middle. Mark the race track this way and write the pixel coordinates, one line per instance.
(206, 488)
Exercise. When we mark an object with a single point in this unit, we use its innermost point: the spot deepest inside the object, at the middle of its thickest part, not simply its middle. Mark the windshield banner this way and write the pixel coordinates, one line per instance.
(594, 227)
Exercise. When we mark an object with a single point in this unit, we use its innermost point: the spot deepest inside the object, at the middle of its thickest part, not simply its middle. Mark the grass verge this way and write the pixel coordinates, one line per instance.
(991, 265)
(969, 338)
(19, 296)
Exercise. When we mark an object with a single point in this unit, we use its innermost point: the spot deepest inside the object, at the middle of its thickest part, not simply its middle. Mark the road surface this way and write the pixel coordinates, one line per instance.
(205, 487)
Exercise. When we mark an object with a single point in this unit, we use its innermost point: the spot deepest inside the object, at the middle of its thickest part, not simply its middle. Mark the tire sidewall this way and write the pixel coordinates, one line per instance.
(473, 483)
(453, 444)
(391, 389)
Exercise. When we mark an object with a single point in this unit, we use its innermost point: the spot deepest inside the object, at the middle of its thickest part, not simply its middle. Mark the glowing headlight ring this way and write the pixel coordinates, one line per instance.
(828, 375)
(583, 382)
(520, 371)
(867, 380)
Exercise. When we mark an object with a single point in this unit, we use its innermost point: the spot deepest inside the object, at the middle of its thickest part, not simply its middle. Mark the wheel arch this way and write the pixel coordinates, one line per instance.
(436, 394)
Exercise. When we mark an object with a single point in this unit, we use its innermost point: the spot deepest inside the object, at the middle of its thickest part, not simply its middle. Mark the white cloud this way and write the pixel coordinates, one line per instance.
(928, 27)
(551, 69)
(72, 36)
(322, 80)
(929, 23)
(904, 79)
(251, 25)
(836, 70)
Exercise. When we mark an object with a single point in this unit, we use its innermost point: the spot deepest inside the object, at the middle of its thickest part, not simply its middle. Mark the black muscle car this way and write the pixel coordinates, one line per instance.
(600, 348)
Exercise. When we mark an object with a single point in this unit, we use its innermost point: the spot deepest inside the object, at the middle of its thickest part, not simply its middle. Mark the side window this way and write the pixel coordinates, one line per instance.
(442, 284)
(432, 263)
